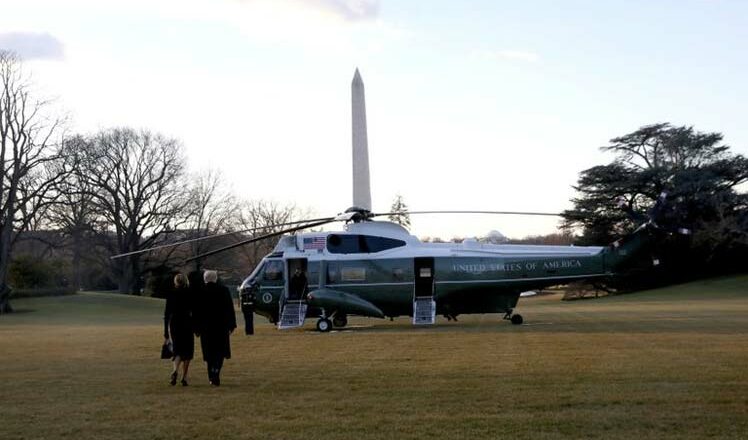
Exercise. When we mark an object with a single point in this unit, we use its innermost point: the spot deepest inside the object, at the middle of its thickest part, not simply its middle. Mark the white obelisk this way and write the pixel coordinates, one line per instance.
(361, 186)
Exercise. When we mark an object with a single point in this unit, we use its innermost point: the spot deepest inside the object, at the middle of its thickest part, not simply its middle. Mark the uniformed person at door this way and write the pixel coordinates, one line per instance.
(248, 310)
(298, 284)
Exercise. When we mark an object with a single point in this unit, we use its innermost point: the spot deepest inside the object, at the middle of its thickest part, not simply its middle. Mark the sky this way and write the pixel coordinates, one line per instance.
(484, 105)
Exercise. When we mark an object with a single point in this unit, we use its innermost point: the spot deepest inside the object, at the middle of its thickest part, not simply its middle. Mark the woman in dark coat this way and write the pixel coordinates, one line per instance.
(178, 327)
(216, 322)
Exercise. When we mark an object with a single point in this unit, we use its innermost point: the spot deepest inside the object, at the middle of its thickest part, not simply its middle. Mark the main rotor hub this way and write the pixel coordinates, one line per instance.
(360, 214)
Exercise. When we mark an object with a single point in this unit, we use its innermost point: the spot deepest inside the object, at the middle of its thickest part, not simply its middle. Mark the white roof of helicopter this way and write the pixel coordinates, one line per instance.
(381, 229)
(415, 248)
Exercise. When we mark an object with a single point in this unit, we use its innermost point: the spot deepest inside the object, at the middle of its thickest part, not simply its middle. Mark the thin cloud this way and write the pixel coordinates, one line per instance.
(354, 10)
(349, 10)
(32, 45)
(512, 55)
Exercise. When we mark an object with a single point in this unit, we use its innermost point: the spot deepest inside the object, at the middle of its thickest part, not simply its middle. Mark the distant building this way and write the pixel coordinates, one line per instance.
(494, 237)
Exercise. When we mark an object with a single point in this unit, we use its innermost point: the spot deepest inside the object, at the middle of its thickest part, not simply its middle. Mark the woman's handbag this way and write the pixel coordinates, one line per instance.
(167, 350)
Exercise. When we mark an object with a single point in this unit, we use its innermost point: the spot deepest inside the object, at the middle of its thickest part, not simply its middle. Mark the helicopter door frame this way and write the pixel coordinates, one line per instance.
(423, 277)
(291, 265)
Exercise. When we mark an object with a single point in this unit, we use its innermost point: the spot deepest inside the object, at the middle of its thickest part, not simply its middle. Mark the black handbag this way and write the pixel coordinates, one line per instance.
(167, 350)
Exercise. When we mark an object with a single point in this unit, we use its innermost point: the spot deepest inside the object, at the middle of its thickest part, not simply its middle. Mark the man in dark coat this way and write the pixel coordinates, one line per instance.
(248, 310)
(297, 284)
(216, 321)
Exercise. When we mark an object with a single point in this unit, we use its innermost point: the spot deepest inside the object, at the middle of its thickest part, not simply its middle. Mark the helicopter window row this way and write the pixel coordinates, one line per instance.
(360, 244)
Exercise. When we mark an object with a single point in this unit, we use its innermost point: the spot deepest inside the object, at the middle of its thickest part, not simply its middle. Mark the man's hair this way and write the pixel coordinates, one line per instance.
(210, 276)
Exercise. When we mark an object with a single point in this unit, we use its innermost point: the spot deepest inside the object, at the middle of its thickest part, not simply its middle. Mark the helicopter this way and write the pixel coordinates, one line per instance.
(378, 269)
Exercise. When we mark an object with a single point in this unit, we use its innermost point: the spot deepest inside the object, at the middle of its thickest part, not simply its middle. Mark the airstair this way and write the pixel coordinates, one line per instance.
(292, 314)
(424, 310)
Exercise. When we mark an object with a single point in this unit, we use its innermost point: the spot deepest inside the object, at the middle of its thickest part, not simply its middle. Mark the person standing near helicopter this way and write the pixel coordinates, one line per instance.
(248, 310)
(216, 322)
(297, 284)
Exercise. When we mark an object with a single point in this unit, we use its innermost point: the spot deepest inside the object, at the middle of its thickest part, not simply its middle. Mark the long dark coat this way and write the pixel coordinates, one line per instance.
(297, 286)
(178, 322)
(216, 319)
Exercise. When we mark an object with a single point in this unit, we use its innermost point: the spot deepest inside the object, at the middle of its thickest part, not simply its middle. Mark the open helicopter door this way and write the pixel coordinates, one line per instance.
(424, 306)
(293, 303)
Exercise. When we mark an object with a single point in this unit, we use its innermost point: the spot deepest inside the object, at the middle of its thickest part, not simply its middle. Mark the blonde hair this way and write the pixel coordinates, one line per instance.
(210, 276)
(180, 281)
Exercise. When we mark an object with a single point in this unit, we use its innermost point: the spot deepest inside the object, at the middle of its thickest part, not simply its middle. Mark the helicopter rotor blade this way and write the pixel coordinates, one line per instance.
(262, 237)
(551, 214)
(208, 237)
(311, 223)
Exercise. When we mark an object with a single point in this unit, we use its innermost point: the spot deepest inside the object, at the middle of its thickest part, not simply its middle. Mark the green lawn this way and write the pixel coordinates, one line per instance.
(671, 363)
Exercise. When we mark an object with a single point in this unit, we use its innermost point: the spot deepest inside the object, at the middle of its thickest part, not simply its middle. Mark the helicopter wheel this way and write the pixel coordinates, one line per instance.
(517, 319)
(324, 325)
(340, 321)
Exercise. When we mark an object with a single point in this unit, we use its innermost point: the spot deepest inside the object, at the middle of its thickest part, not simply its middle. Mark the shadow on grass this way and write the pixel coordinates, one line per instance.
(683, 323)
(21, 311)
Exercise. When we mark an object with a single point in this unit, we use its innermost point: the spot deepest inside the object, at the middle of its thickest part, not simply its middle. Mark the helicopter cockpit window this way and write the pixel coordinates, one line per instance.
(379, 244)
(360, 244)
(343, 244)
(273, 270)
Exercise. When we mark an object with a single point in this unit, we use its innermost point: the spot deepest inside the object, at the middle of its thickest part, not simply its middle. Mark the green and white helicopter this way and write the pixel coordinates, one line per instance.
(378, 269)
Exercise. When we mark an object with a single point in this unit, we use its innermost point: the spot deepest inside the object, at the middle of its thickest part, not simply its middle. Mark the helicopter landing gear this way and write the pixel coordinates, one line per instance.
(340, 321)
(324, 325)
(516, 319)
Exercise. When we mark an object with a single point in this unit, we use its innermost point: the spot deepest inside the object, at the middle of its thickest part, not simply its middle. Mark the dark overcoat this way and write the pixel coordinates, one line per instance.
(297, 286)
(178, 322)
(216, 320)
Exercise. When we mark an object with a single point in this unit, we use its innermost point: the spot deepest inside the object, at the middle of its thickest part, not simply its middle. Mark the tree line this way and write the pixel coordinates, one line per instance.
(77, 199)
(702, 180)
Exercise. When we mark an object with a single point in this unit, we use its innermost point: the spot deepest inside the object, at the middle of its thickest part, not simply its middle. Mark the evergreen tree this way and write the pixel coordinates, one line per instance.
(699, 173)
(399, 206)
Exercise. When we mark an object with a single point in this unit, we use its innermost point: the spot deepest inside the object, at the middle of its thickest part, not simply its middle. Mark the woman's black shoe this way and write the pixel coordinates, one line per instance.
(173, 380)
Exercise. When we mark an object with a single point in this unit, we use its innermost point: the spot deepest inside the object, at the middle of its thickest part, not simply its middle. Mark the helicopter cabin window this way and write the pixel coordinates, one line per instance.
(353, 274)
(313, 274)
(378, 244)
(333, 276)
(360, 244)
(398, 274)
(273, 270)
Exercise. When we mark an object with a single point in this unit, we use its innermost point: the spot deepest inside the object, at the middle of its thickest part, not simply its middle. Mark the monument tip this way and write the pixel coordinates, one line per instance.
(357, 77)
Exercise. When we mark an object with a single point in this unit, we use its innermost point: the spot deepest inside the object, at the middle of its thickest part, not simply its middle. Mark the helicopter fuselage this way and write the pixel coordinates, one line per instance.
(378, 269)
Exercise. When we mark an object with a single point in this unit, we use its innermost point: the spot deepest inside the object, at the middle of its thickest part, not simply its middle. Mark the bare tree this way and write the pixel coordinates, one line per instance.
(211, 209)
(75, 217)
(264, 217)
(31, 164)
(138, 190)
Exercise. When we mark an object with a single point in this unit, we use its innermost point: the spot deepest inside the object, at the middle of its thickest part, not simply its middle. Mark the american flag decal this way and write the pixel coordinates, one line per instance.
(314, 243)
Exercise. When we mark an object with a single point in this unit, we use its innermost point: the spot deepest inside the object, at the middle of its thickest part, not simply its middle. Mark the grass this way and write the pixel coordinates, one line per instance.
(670, 363)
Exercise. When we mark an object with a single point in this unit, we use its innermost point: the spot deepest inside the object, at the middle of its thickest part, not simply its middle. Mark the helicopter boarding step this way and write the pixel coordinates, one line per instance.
(424, 310)
(293, 315)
